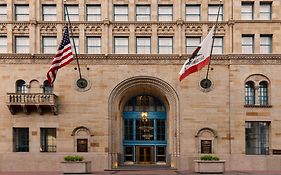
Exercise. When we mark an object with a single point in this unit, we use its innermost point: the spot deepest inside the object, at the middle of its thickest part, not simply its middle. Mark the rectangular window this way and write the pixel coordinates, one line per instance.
(121, 45)
(265, 43)
(21, 44)
(192, 43)
(192, 13)
(3, 44)
(93, 44)
(73, 13)
(160, 153)
(128, 153)
(20, 139)
(143, 12)
(165, 13)
(165, 45)
(213, 12)
(161, 132)
(218, 46)
(248, 44)
(49, 13)
(93, 12)
(76, 40)
(247, 11)
(144, 131)
(143, 45)
(120, 12)
(48, 139)
(128, 129)
(49, 44)
(21, 12)
(3, 12)
(265, 10)
(257, 138)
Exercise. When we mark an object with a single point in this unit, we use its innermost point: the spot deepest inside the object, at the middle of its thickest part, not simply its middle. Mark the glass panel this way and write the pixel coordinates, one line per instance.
(192, 43)
(128, 129)
(3, 13)
(247, 44)
(48, 140)
(165, 45)
(22, 12)
(128, 153)
(265, 11)
(73, 13)
(165, 13)
(213, 12)
(121, 45)
(265, 44)
(50, 44)
(161, 153)
(94, 45)
(20, 139)
(257, 138)
(143, 13)
(193, 13)
(247, 11)
(47, 88)
(49, 13)
(93, 12)
(121, 13)
(161, 132)
(250, 93)
(145, 130)
(143, 45)
(22, 45)
(263, 93)
(218, 46)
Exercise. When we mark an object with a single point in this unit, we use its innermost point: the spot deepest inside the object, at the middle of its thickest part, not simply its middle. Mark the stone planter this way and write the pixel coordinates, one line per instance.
(213, 166)
(76, 167)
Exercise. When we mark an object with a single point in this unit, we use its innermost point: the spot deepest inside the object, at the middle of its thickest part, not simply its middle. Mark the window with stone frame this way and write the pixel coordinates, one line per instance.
(3, 12)
(20, 139)
(20, 86)
(49, 12)
(48, 140)
(257, 91)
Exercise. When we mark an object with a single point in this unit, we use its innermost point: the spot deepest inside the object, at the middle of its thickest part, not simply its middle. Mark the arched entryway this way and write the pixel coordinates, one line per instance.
(129, 89)
(144, 131)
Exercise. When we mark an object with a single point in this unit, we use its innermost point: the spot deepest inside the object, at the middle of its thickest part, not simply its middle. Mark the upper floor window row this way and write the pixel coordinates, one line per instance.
(247, 10)
(248, 43)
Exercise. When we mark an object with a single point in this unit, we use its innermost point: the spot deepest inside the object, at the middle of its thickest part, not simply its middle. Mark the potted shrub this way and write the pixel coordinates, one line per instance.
(75, 164)
(209, 164)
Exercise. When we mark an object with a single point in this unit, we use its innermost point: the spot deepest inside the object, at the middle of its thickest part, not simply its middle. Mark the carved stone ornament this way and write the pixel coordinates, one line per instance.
(143, 29)
(48, 28)
(120, 28)
(21, 28)
(165, 29)
(93, 29)
(3, 28)
(193, 29)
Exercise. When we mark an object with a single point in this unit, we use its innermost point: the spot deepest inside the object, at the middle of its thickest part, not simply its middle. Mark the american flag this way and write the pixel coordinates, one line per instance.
(63, 57)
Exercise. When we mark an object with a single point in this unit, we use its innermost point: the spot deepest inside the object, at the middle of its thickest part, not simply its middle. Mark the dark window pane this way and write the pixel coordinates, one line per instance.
(263, 93)
(128, 153)
(128, 129)
(144, 130)
(161, 153)
(48, 140)
(20, 139)
(161, 132)
(250, 93)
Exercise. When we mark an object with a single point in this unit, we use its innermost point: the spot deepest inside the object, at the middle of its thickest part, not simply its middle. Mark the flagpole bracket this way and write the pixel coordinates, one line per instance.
(82, 83)
(206, 84)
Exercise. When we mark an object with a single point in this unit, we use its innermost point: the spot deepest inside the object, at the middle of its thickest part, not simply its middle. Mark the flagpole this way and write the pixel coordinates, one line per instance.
(213, 41)
(69, 24)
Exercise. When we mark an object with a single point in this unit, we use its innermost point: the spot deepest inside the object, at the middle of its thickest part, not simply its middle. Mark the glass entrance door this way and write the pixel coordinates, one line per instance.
(145, 154)
(144, 131)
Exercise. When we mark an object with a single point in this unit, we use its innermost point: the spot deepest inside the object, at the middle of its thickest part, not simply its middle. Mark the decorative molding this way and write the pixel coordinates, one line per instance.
(165, 29)
(221, 28)
(3, 28)
(120, 28)
(48, 28)
(95, 29)
(143, 29)
(193, 29)
(147, 59)
(20, 28)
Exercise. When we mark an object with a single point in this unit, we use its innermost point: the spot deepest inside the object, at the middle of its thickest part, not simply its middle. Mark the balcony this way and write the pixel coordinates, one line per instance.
(30, 102)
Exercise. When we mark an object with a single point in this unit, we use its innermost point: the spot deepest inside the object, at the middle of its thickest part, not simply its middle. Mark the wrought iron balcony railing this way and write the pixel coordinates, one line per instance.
(28, 102)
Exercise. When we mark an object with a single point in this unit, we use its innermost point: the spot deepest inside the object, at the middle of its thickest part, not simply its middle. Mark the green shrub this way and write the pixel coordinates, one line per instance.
(74, 158)
(209, 157)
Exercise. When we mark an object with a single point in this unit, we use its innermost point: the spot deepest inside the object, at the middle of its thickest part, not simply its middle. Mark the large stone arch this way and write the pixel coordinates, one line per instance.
(142, 85)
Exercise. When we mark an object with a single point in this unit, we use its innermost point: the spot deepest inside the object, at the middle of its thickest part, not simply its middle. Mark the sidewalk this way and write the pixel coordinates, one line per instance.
(147, 172)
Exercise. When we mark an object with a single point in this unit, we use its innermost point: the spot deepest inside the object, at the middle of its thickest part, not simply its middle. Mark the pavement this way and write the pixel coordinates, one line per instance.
(146, 172)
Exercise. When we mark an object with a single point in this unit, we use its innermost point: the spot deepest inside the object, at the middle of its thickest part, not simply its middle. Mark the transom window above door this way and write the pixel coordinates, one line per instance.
(144, 103)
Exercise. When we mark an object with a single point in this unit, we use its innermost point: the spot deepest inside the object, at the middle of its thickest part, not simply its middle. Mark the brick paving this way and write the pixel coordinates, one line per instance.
(147, 172)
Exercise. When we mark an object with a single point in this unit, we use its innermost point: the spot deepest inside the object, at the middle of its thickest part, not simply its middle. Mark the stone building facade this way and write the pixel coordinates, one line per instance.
(133, 109)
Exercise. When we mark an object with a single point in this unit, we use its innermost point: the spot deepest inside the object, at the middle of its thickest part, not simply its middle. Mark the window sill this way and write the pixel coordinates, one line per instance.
(258, 106)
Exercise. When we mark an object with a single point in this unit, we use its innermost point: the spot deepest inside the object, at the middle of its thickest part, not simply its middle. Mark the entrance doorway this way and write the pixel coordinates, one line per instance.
(145, 154)
(144, 131)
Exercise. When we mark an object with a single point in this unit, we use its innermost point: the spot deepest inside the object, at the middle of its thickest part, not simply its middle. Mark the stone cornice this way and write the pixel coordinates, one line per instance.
(145, 59)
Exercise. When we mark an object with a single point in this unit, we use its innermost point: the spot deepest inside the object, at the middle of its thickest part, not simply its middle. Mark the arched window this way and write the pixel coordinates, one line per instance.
(82, 137)
(47, 88)
(20, 86)
(249, 93)
(263, 93)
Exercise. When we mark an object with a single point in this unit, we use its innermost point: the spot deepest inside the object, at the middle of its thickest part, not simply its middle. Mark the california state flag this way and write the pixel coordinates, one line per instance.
(199, 58)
